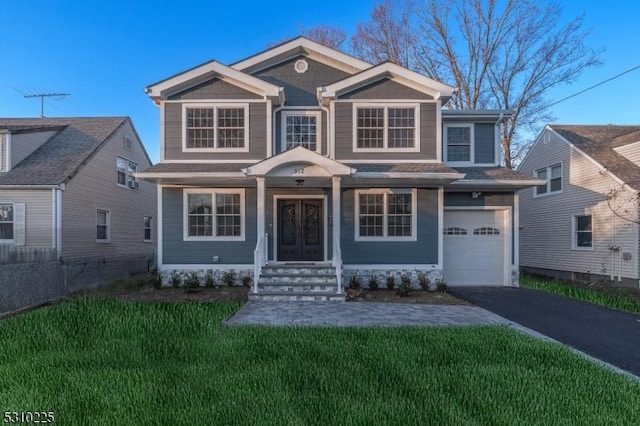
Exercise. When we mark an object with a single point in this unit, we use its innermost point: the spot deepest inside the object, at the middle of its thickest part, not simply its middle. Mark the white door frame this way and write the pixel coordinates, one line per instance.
(325, 219)
(508, 237)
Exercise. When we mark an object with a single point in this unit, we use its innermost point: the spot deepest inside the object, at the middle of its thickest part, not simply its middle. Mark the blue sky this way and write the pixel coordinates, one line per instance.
(105, 53)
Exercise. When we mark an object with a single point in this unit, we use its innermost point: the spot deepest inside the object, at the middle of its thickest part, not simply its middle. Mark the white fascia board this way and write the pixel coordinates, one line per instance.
(306, 44)
(299, 155)
(400, 175)
(259, 86)
(186, 175)
(499, 182)
(430, 86)
(61, 186)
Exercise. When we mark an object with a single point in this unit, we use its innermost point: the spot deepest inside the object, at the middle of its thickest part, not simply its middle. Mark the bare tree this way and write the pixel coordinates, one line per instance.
(500, 54)
(333, 37)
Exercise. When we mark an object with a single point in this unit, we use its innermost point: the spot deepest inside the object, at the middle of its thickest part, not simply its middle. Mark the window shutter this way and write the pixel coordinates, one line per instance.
(19, 224)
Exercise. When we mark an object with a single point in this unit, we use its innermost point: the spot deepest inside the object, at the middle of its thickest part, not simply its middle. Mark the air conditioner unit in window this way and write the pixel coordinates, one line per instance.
(134, 185)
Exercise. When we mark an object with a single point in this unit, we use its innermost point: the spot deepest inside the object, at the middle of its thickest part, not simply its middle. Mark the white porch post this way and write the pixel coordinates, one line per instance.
(337, 254)
(260, 202)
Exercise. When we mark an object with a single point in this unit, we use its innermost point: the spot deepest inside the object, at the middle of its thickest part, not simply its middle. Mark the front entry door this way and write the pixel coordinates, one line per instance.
(300, 233)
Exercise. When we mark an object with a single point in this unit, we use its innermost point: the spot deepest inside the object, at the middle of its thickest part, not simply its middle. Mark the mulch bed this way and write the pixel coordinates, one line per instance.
(416, 296)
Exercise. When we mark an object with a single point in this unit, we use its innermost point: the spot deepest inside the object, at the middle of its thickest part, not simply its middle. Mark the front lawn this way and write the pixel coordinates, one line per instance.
(109, 362)
(623, 299)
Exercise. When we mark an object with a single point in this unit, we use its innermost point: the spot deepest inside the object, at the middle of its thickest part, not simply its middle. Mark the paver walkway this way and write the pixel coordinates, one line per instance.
(351, 314)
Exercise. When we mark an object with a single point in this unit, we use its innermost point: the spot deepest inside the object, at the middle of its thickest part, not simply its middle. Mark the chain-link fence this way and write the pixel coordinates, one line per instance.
(30, 284)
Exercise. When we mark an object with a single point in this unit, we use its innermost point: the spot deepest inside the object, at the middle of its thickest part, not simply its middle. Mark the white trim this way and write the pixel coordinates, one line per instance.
(204, 266)
(548, 180)
(213, 192)
(13, 209)
(439, 131)
(325, 214)
(386, 101)
(159, 226)
(260, 207)
(126, 173)
(498, 182)
(388, 161)
(162, 130)
(507, 235)
(307, 44)
(59, 222)
(385, 237)
(54, 230)
(215, 106)
(336, 207)
(445, 139)
(184, 175)
(144, 217)
(385, 107)
(407, 266)
(221, 100)
(203, 161)
(108, 239)
(3, 138)
(574, 246)
(270, 129)
(408, 175)
(301, 112)
(298, 154)
(332, 130)
(440, 227)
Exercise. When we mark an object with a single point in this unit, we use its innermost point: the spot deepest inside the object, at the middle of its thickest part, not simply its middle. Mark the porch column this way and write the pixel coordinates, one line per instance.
(335, 189)
(260, 201)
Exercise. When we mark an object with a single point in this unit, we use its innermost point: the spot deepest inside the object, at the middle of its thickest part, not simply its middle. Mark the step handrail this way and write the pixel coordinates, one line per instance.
(337, 262)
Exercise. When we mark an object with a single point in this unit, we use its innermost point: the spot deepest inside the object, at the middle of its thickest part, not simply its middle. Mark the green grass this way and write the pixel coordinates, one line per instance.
(624, 299)
(98, 361)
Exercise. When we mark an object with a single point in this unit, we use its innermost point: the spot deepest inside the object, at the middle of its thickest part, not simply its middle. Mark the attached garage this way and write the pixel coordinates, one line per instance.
(477, 247)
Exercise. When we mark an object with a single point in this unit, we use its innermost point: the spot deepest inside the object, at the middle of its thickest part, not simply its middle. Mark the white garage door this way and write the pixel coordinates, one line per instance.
(474, 247)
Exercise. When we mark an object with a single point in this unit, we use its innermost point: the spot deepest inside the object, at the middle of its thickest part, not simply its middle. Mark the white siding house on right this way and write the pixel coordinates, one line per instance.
(582, 224)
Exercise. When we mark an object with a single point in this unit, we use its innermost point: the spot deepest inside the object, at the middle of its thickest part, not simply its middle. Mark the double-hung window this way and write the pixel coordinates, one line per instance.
(125, 170)
(214, 214)
(6, 222)
(553, 177)
(148, 229)
(301, 128)
(386, 128)
(582, 232)
(103, 226)
(458, 139)
(385, 215)
(216, 127)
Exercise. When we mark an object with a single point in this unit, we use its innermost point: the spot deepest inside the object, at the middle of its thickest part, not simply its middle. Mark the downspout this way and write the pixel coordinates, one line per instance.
(498, 155)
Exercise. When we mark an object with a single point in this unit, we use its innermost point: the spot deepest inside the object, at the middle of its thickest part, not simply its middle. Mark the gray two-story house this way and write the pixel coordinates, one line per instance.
(304, 160)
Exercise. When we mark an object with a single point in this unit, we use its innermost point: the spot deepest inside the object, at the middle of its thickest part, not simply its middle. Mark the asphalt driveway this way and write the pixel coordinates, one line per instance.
(606, 334)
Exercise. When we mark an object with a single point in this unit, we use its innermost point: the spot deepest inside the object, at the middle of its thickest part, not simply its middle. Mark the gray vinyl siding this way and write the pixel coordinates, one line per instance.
(95, 187)
(344, 136)
(422, 251)
(23, 144)
(214, 89)
(3, 151)
(546, 238)
(177, 251)
(300, 89)
(257, 136)
(39, 215)
(484, 143)
(385, 89)
(323, 135)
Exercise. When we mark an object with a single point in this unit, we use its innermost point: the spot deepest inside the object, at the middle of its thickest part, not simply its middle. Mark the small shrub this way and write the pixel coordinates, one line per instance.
(229, 277)
(246, 280)
(423, 280)
(175, 279)
(391, 282)
(404, 290)
(373, 282)
(192, 280)
(441, 285)
(155, 277)
(209, 279)
(354, 282)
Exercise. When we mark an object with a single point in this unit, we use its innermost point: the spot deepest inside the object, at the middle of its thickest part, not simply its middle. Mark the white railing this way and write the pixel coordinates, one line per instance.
(337, 261)
(259, 259)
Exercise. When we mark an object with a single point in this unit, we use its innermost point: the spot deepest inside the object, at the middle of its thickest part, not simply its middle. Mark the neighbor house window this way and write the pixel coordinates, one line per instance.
(386, 127)
(553, 177)
(125, 170)
(386, 214)
(301, 129)
(223, 127)
(214, 214)
(458, 139)
(148, 226)
(103, 226)
(583, 232)
(6, 222)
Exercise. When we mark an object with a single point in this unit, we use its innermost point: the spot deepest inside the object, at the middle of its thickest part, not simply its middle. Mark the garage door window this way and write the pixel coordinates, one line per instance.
(454, 230)
(486, 230)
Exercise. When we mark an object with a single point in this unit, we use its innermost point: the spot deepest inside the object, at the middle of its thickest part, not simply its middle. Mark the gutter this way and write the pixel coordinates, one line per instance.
(60, 186)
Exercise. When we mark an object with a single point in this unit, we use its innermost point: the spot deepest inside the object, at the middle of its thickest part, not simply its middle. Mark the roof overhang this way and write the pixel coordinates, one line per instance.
(210, 70)
(496, 183)
(298, 155)
(390, 71)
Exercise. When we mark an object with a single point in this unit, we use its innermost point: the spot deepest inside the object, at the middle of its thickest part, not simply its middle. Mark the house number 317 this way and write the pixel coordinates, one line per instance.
(298, 171)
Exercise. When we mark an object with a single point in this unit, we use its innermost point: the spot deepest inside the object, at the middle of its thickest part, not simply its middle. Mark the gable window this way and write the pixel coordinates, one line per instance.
(553, 177)
(6, 222)
(148, 222)
(215, 127)
(214, 214)
(385, 215)
(125, 170)
(458, 139)
(386, 128)
(301, 129)
(582, 232)
(103, 226)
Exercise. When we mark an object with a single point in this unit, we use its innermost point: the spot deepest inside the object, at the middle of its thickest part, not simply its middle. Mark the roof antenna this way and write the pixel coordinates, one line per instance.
(46, 95)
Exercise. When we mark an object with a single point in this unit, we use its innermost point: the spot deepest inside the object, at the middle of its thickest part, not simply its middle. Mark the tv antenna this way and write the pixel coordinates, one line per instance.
(46, 95)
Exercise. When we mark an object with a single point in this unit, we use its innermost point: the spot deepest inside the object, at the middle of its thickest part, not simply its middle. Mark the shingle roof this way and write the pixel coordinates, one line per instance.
(58, 159)
(196, 168)
(598, 143)
(492, 173)
(401, 168)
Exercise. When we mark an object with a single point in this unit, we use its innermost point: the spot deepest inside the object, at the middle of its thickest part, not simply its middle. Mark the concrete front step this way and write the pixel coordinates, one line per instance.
(302, 287)
(300, 297)
(299, 278)
(298, 270)
(301, 282)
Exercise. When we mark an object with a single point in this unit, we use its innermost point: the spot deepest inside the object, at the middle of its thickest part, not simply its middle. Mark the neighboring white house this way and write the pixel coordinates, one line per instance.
(583, 223)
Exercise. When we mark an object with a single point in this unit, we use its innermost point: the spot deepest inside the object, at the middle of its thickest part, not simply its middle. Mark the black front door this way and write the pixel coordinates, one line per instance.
(300, 234)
